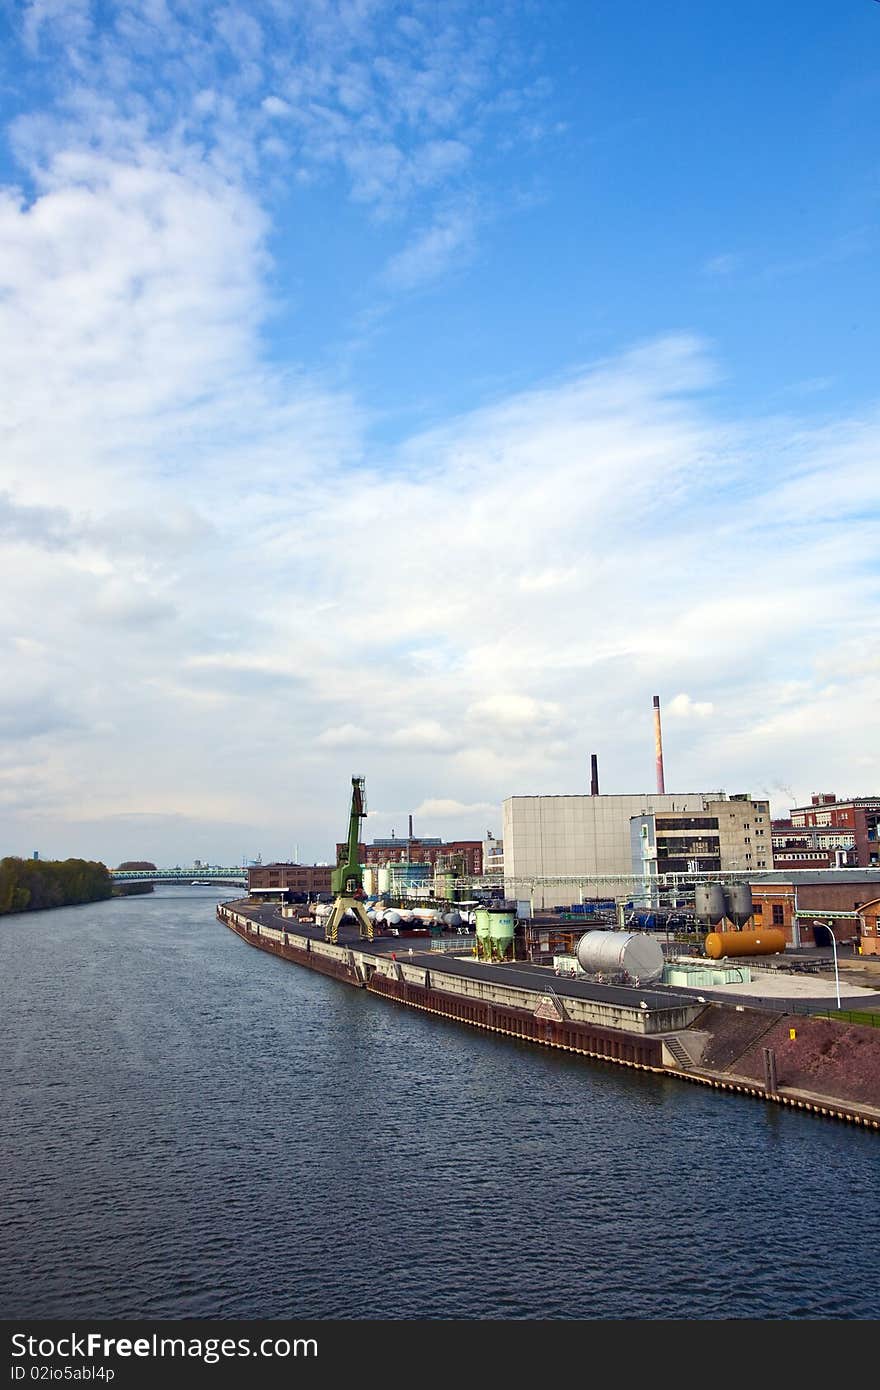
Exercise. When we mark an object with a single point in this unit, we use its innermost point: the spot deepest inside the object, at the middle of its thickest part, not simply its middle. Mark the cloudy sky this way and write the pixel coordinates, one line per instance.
(415, 390)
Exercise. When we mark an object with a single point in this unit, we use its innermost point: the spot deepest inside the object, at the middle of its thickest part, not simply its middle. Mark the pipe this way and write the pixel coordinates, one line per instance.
(594, 775)
(658, 747)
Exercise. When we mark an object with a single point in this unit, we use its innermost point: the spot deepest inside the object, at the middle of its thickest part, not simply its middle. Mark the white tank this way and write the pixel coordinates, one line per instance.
(428, 915)
(452, 919)
(638, 956)
(391, 919)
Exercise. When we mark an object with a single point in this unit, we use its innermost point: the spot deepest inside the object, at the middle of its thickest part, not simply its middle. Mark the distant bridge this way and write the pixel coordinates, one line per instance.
(199, 874)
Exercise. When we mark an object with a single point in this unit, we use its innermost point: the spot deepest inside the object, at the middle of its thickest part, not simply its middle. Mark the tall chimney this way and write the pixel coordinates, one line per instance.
(594, 775)
(658, 746)
(410, 827)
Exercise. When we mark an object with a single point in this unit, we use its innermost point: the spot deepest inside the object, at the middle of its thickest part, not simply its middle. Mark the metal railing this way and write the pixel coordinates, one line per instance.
(852, 1016)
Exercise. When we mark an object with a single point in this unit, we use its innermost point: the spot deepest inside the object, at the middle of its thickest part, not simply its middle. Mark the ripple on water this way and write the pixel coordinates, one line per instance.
(194, 1129)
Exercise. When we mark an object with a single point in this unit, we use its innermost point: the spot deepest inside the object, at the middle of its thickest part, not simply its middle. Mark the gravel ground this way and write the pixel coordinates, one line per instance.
(825, 1056)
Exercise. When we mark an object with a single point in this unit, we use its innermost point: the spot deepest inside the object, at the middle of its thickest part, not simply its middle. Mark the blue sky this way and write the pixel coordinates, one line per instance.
(414, 391)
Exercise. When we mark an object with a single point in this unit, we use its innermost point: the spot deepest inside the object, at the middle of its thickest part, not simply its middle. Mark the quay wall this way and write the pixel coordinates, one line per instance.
(513, 1012)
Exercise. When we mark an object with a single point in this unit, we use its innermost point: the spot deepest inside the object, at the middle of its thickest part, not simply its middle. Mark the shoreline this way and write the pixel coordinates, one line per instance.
(658, 1038)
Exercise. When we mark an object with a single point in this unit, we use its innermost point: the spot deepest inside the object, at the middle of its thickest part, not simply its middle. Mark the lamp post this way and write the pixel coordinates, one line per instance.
(834, 948)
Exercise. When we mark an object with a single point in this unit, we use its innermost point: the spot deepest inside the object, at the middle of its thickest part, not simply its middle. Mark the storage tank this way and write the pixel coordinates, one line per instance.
(444, 887)
(429, 915)
(452, 919)
(745, 943)
(383, 880)
(502, 926)
(484, 949)
(408, 875)
(710, 906)
(738, 899)
(640, 957)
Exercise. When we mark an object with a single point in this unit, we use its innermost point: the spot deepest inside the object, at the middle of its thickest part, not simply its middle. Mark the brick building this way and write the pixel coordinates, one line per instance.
(813, 846)
(298, 878)
(858, 815)
(792, 900)
(869, 917)
(466, 855)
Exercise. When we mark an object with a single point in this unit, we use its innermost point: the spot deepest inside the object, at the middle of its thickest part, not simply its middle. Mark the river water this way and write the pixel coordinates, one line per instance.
(194, 1129)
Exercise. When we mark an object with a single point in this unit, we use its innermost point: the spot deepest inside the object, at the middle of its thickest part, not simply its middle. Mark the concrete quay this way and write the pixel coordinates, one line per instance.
(667, 1031)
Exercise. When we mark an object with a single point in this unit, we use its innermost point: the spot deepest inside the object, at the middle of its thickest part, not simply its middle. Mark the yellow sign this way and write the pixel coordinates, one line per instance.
(792, 1034)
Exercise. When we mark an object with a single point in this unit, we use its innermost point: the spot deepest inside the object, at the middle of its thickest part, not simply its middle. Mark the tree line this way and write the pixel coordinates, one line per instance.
(29, 884)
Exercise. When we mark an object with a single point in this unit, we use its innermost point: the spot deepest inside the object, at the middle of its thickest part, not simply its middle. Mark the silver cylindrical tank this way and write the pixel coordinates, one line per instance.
(637, 955)
(710, 906)
(738, 898)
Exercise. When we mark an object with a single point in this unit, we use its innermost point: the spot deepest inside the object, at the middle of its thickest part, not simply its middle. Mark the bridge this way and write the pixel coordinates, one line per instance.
(200, 873)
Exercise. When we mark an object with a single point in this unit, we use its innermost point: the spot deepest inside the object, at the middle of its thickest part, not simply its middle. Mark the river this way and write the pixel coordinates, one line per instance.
(195, 1129)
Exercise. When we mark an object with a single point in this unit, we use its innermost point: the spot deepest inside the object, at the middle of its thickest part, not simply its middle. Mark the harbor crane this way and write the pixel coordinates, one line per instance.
(347, 879)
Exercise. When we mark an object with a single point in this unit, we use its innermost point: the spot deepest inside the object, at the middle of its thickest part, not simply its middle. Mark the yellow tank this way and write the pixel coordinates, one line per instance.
(744, 943)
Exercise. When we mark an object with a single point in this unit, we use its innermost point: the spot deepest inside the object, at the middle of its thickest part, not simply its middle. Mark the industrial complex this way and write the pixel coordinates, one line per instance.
(629, 928)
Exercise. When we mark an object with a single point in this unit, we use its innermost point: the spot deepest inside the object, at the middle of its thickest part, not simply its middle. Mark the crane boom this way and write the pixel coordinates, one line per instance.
(348, 878)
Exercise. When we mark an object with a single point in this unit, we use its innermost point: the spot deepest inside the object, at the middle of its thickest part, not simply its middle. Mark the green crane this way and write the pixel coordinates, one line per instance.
(347, 879)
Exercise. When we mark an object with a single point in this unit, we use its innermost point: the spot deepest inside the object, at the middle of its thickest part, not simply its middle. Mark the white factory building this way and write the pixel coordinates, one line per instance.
(572, 837)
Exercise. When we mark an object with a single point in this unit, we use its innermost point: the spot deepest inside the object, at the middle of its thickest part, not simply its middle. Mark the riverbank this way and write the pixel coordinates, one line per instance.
(31, 885)
(823, 1066)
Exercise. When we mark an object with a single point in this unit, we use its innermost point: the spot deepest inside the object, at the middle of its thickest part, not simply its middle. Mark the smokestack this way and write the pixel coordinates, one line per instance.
(410, 827)
(658, 746)
(594, 775)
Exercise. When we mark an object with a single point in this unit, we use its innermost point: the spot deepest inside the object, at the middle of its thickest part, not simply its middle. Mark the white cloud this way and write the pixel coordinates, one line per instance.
(424, 734)
(513, 712)
(275, 106)
(224, 588)
(343, 736)
(723, 265)
(430, 255)
(683, 707)
(448, 809)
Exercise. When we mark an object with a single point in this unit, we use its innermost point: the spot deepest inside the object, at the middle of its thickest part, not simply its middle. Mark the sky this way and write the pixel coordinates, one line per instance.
(413, 391)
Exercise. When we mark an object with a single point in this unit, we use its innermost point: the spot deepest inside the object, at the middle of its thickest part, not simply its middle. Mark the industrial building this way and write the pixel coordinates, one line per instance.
(572, 837)
(859, 816)
(813, 846)
(732, 834)
(305, 879)
(795, 900)
(493, 855)
(869, 928)
(462, 856)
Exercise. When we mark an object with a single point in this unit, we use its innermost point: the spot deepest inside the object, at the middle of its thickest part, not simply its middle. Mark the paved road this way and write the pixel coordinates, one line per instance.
(768, 994)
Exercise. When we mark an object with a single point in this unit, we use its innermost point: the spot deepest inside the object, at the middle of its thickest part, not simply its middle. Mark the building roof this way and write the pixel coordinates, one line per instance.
(795, 876)
(838, 803)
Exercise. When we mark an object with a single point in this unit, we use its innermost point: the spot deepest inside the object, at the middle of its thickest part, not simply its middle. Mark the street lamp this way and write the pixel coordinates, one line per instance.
(834, 947)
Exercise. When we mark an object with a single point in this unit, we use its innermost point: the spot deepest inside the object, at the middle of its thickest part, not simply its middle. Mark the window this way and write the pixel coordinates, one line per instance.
(778, 915)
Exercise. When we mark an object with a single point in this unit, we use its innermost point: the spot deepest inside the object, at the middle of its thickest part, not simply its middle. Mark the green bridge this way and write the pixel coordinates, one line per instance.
(197, 874)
